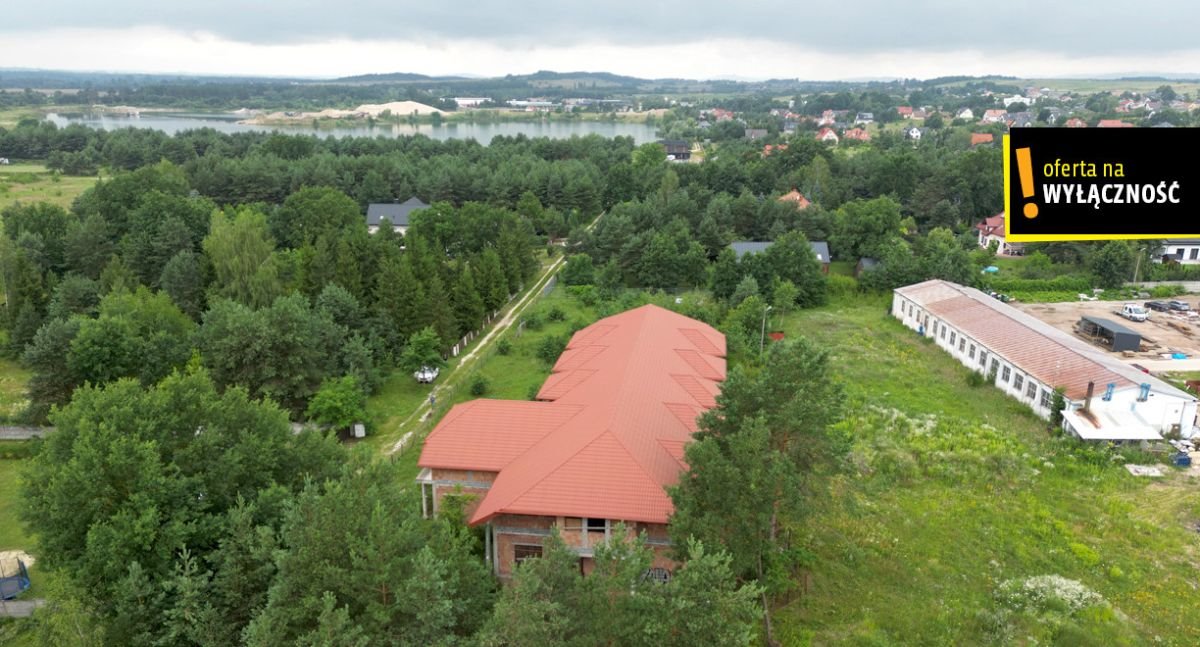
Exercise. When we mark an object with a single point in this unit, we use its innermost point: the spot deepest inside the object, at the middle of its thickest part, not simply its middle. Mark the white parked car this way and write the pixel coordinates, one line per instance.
(426, 374)
(1134, 312)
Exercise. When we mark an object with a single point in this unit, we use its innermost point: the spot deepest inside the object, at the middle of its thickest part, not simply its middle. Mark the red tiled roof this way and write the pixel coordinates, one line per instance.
(1076, 122)
(1049, 355)
(623, 398)
(904, 110)
(992, 225)
(980, 138)
(857, 133)
(796, 197)
(826, 132)
(1113, 123)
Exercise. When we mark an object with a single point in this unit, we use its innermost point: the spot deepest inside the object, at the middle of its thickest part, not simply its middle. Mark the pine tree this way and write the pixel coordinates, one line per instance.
(468, 304)
(492, 283)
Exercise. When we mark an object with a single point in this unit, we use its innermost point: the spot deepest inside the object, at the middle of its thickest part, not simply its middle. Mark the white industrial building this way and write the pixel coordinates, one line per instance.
(1106, 398)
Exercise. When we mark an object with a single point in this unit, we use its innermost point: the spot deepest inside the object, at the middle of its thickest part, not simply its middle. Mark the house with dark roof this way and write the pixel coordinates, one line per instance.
(1028, 359)
(397, 214)
(1185, 251)
(677, 149)
(820, 249)
(755, 133)
(596, 449)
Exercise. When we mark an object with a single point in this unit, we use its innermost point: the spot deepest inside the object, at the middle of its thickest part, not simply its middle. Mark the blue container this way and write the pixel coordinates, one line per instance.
(1182, 460)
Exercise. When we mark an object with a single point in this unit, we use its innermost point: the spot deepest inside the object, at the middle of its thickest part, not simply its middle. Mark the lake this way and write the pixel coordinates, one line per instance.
(481, 132)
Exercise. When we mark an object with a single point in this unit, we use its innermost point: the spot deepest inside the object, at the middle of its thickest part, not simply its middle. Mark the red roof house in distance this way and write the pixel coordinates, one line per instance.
(1076, 122)
(1114, 123)
(771, 148)
(981, 138)
(827, 135)
(857, 134)
(795, 197)
(905, 112)
(598, 446)
(992, 230)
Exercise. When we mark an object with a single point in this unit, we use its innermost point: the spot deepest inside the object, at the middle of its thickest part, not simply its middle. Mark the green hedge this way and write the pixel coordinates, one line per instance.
(1070, 283)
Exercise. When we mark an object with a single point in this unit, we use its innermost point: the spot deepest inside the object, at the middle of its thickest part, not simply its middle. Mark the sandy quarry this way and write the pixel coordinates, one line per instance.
(399, 108)
(1163, 333)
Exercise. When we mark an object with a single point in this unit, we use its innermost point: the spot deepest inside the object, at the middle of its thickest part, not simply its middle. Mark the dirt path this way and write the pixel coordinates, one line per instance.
(424, 410)
(505, 322)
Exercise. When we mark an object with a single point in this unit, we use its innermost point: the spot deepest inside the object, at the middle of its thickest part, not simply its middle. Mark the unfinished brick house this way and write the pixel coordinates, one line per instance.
(597, 448)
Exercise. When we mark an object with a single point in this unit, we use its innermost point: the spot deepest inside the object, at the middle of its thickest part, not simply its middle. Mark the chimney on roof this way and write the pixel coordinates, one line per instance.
(1087, 403)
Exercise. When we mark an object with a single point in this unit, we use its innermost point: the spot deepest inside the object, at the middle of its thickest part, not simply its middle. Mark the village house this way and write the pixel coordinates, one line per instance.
(676, 149)
(1113, 123)
(857, 134)
(914, 133)
(994, 116)
(921, 113)
(596, 448)
(864, 118)
(827, 135)
(828, 118)
(1185, 251)
(1075, 122)
(1020, 120)
(991, 230)
(397, 214)
(905, 112)
(1026, 358)
(773, 148)
(795, 197)
(981, 138)
(820, 249)
(755, 133)
(965, 113)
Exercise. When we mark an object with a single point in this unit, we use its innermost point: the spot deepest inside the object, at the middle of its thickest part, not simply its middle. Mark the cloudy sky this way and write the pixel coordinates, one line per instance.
(755, 39)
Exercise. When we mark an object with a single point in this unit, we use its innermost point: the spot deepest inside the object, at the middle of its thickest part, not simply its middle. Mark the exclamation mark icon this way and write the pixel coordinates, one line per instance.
(1025, 175)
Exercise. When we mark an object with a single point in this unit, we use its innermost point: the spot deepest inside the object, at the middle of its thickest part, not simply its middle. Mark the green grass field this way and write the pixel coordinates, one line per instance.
(13, 382)
(928, 516)
(34, 183)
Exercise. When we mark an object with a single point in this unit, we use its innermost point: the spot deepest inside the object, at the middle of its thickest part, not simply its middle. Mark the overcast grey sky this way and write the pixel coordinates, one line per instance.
(696, 38)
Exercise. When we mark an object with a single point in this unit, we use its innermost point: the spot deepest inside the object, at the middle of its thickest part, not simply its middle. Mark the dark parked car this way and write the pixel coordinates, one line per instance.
(1178, 306)
(1160, 306)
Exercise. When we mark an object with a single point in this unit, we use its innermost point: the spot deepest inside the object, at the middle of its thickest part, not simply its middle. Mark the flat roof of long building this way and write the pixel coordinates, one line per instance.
(1050, 355)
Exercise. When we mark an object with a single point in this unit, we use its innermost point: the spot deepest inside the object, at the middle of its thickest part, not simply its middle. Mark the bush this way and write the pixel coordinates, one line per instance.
(1166, 291)
(556, 314)
(1071, 283)
(550, 348)
(975, 379)
(842, 286)
(504, 347)
(533, 391)
(479, 385)
(586, 294)
(533, 321)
